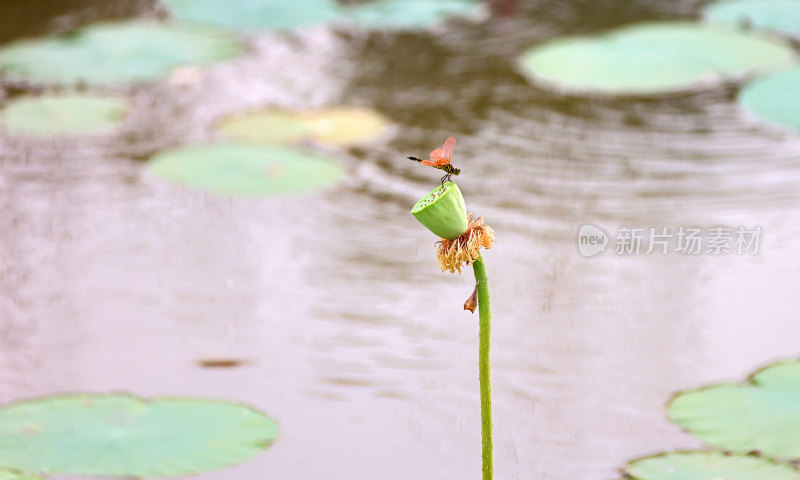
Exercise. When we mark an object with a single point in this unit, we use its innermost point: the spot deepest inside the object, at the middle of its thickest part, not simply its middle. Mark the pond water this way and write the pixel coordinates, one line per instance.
(111, 279)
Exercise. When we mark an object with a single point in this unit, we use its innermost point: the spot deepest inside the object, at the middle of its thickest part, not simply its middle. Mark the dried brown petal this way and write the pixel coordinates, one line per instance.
(453, 255)
(472, 302)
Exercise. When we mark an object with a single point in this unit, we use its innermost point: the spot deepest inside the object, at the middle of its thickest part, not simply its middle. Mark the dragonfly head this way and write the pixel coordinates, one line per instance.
(456, 171)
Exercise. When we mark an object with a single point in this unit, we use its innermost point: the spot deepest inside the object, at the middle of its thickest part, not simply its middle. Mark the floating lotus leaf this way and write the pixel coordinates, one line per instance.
(93, 434)
(762, 414)
(410, 14)
(112, 53)
(780, 16)
(70, 114)
(253, 15)
(653, 58)
(708, 466)
(10, 475)
(775, 98)
(273, 127)
(247, 170)
(342, 126)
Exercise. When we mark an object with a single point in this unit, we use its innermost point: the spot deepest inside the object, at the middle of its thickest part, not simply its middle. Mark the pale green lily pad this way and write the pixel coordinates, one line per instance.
(121, 435)
(780, 16)
(67, 115)
(708, 466)
(410, 14)
(11, 475)
(762, 414)
(112, 53)
(247, 170)
(653, 58)
(340, 126)
(254, 15)
(775, 98)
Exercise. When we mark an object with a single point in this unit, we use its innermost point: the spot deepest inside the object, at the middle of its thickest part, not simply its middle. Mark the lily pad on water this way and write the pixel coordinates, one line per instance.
(762, 414)
(410, 14)
(112, 53)
(69, 114)
(247, 170)
(343, 126)
(253, 15)
(11, 475)
(775, 98)
(780, 16)
(708, 466)
(94, 434)
(653, 58)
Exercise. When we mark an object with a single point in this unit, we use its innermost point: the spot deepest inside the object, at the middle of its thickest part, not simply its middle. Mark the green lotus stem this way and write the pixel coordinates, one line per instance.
(443, 212)
(484, 337)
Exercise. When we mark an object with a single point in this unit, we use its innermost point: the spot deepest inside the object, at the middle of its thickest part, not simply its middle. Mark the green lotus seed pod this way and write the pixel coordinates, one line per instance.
(443, 212)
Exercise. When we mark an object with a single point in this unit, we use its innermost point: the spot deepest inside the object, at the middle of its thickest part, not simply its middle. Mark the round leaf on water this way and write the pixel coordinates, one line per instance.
(653, 58)
(70, 114)
(253, 15)
(11, 475)
(272, 127)
(780, 16)
(409, 14)
(94, 434)
(775, 98)
(342, 126)
(111, 53)
(247, 170)
(762, 414)
(708, 466)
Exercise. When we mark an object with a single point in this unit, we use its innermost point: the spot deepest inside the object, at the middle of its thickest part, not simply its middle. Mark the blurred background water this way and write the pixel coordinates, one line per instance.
(111, 279)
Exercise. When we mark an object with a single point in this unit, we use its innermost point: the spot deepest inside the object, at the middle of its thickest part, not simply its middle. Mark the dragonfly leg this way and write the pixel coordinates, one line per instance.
(446, 177)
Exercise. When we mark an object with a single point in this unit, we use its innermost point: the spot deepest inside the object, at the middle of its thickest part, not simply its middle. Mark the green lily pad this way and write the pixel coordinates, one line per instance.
(775, 98)
(780, 16)
(94, 434)
(11, 475)
(69, 114)
(247, 170)
(762, 414)
(254, 15)
(653, 58)
(112, 53)
(708, 466)
(342, 126)
(410, 14)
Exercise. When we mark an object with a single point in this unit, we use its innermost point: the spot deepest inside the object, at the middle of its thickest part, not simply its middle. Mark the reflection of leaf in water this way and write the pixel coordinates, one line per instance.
(652, 59)
(762, 414)
(775, 98)
(111, 53)
(95, 434)
(254, 15)
(63, 114)
(247, 170)
(780, 16)
(338, 126)
(708, 466)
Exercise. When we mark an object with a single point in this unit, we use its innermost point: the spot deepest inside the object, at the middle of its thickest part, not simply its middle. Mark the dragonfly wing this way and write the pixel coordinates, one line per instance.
(448, 147)
(438, 157)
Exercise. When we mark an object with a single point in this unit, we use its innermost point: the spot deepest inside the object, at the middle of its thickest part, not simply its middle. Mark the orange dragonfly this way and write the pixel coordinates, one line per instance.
(440, 158)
